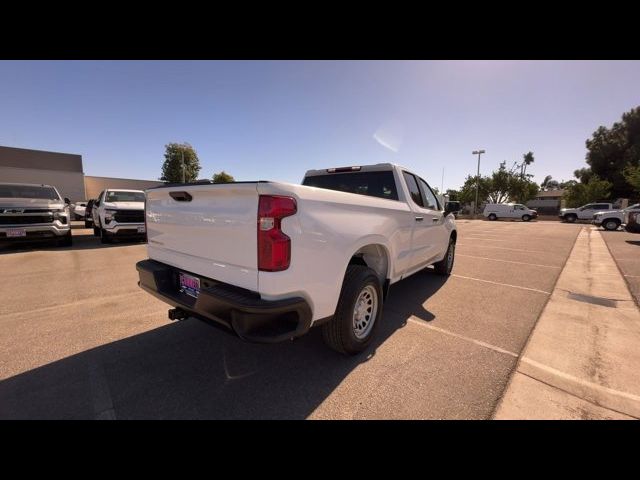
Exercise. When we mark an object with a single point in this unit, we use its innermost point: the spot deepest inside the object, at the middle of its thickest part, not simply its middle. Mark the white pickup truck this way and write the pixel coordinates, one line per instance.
(612, 219)
(119, 214)
(270, 260)
(586, 212)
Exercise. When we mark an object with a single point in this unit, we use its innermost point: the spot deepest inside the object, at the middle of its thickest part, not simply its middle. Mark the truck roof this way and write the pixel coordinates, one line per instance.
(123, 190)
(27, 184)
(354, 168)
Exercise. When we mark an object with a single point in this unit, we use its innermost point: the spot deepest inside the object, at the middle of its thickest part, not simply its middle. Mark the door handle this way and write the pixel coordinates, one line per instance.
(436, 219)
(419, 219)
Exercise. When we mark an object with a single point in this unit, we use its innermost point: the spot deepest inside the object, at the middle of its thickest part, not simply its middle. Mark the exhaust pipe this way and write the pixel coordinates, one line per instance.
(177, 314)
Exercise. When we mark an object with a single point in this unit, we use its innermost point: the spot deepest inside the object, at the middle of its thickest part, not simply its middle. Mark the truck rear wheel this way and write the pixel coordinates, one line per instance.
(493, 216)
(358, 312)
(570, 218)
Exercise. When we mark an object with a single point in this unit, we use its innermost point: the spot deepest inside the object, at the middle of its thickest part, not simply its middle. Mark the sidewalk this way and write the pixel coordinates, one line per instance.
(582, 360)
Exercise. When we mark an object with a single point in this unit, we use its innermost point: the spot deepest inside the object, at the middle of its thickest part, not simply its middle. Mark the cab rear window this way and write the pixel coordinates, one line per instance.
(372, 184)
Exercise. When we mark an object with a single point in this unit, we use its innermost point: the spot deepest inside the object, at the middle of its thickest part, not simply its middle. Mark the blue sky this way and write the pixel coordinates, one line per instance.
(274, 120)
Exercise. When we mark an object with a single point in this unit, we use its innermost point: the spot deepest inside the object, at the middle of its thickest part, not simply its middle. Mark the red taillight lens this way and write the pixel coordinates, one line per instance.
(274, 247)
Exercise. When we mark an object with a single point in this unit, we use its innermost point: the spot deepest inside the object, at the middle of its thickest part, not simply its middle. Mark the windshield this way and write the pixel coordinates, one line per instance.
(116, 196)
(28, 191)
(632, 207)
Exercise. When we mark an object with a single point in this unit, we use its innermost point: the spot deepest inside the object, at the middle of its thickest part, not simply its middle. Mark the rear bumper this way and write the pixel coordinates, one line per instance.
(243, 311)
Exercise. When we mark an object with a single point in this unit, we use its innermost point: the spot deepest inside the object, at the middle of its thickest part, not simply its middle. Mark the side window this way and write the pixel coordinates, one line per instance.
(601, 207)
(414, 191)
(429, 198)
(587, 207)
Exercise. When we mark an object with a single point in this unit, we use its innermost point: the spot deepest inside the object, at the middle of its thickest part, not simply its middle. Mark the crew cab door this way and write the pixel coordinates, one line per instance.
(430, 237)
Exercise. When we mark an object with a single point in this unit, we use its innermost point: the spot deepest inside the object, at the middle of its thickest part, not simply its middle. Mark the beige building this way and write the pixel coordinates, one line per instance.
(94, 185)
(62, 170)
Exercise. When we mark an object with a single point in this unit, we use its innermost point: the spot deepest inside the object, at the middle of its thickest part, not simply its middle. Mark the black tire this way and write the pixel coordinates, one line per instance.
(66, 241)
(611, 224)
(526, 218)
(445, 266)
(570, 218)
(493, 217)
(104, 237)
(339, 333)
(88, 224)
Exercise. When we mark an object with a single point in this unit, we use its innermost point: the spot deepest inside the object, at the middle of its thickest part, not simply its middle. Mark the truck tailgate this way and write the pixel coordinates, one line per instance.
(210, 230)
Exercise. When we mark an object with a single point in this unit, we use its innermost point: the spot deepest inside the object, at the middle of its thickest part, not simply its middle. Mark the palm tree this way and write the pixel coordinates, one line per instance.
(545, 182)
(527, 160)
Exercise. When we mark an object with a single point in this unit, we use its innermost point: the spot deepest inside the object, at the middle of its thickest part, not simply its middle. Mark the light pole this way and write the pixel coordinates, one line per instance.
(475, 207)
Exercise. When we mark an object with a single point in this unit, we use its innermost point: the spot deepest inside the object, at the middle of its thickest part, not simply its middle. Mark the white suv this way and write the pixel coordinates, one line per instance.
(119, 214)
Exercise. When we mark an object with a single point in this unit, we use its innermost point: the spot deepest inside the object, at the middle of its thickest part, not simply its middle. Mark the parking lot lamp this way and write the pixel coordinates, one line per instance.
(475, 207)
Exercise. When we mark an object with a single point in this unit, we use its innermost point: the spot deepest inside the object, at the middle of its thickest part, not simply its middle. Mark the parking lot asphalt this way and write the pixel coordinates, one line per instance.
(625, 249)
(79, 339)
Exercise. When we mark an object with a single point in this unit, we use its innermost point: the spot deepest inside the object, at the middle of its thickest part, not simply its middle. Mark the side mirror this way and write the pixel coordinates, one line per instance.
(451, 207)
(67, 201)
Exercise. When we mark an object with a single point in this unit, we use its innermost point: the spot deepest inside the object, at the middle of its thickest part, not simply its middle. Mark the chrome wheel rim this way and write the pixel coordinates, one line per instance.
(611, 225)
(365, 312)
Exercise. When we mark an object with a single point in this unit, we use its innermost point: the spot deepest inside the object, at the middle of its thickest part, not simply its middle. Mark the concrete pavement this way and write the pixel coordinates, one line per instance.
(582, 360)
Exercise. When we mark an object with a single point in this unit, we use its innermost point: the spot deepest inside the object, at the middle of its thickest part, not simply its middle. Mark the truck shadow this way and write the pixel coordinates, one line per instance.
(633, 242)
(190, 370)
(80, 242)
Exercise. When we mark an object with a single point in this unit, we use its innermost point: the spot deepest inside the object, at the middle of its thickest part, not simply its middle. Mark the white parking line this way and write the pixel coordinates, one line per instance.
(488, 239)
(504, 248)
(422, 323)
(502, 284)
(507, 261)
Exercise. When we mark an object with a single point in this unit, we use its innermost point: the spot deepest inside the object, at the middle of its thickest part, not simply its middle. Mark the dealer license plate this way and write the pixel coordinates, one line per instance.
(189, 284)
(16, 232)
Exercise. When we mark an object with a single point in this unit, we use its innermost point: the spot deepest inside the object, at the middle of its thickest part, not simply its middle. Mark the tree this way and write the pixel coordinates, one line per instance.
(595, 190)
(583, 174)
(613, 150)
(549, 184)
(453, 194)
(527, 159)
(223, 177)
(632, 175)
(172, 168)
(502, 186)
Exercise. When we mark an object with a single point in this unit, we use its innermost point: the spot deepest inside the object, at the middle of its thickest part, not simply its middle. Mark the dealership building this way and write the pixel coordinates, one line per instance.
(62, 170)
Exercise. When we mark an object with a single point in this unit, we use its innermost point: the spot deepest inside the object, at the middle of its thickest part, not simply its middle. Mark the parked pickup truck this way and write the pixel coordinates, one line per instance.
(585, 212)
(632, 220)
(119, 214)
(34, 212)
(612, 219)
(270, 260)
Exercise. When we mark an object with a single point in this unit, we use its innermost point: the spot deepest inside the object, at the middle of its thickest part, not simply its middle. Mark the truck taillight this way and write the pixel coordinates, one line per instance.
(274, 247)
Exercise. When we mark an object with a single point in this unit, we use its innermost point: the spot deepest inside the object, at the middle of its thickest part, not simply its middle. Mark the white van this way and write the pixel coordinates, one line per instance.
(494, 211)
